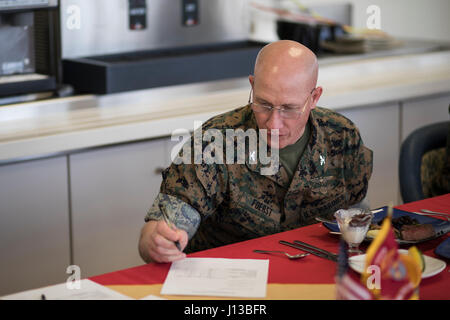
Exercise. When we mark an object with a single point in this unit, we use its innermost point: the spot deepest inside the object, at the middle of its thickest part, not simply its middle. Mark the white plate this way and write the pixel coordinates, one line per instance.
(432, 265)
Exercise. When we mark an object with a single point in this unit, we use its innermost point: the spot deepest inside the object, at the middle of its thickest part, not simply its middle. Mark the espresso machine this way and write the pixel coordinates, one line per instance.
(29, 49)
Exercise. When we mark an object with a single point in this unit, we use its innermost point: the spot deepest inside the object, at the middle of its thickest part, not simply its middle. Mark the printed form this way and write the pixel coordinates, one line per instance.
(217, 277)
(88, 290)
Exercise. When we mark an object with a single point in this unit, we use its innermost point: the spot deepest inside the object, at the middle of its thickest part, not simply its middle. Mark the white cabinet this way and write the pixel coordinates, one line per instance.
(379, 128)
(34, 224)
(421, 112)
(112, 188)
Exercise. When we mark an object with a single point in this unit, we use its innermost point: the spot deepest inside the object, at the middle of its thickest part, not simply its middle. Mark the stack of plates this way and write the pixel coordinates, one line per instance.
(360, 44)
(345, 45)
(373, 43)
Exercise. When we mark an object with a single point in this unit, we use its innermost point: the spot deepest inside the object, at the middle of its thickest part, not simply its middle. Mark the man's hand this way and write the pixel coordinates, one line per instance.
(157, 242)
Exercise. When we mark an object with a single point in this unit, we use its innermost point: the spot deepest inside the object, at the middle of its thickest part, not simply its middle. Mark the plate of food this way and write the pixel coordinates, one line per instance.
(409, 228)
(432, 266)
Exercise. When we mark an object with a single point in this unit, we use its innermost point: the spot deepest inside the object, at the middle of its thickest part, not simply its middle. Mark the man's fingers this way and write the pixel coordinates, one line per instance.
(161, 242)
(172, 235)
(160, 254)
(182, 238)
(166, 231)
(164, 246)
(167, 256)
(177, 257)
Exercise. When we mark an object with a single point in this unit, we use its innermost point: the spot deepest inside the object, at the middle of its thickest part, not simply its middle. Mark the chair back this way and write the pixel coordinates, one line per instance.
(419, 142)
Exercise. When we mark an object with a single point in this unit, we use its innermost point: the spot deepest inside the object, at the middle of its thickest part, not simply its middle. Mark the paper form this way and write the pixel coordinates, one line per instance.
(89, 290)
(217, 277)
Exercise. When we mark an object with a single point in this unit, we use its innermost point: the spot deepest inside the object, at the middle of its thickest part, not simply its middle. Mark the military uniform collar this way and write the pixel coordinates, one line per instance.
(280, 177)
(313, 164)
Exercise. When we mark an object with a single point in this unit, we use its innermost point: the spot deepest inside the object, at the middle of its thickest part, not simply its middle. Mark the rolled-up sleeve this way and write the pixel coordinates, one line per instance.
(190, 193)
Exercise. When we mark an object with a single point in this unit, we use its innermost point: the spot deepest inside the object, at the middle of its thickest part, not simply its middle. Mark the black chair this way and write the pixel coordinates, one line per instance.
(420, 141)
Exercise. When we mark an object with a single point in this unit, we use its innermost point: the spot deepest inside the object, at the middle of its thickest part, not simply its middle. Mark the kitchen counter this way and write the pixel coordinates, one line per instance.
(57, 126)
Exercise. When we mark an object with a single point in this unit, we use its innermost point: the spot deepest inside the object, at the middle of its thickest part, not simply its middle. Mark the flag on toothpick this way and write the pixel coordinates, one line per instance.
(390, 274)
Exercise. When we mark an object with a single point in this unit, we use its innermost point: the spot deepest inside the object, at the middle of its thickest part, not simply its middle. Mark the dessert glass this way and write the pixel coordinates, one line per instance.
(354, 224)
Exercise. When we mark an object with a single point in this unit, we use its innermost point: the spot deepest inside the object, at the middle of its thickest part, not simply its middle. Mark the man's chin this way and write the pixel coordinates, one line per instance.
(281, 142)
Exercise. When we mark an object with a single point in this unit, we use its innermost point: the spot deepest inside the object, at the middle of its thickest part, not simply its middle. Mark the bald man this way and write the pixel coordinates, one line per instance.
(323, 165)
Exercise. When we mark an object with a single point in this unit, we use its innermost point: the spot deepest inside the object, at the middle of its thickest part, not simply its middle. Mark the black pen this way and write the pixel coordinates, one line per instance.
(169, 223)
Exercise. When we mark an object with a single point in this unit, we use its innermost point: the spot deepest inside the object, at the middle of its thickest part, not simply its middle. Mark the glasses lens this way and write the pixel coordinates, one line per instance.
(260, 109)
(284, 113)
(290, 113)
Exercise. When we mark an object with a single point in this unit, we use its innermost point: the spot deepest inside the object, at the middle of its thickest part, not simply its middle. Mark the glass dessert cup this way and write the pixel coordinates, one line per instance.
(354, 224)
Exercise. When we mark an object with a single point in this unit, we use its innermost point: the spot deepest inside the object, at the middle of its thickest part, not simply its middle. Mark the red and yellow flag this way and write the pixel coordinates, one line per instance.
(390, 274)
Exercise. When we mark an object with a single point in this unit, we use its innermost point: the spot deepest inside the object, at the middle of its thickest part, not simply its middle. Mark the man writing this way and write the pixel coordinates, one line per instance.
(324, 166)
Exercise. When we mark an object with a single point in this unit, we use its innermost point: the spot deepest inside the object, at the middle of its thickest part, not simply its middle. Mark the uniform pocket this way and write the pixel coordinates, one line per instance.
(324, 196)
(326, 187)
(256, 216)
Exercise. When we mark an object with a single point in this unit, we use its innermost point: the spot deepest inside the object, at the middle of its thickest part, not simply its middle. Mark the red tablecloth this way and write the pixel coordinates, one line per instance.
(309, 270)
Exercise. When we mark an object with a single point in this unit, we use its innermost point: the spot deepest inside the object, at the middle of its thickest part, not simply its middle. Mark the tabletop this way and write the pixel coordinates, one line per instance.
(311, 278)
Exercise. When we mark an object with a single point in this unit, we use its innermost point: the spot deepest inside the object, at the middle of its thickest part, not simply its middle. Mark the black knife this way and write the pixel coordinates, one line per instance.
(317, 249)
(329, 256)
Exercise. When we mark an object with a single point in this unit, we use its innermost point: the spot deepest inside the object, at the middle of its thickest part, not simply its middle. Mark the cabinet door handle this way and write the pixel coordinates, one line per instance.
(159, 170)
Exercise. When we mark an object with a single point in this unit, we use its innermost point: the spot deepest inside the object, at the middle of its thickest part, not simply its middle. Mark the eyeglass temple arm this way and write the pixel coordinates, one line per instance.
(251, 90)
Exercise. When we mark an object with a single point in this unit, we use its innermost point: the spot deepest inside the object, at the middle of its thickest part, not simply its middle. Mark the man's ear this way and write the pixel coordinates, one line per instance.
(316, 96)
(251, 79)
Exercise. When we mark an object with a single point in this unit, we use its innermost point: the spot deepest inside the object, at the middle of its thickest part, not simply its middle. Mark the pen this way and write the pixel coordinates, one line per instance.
(169, 223)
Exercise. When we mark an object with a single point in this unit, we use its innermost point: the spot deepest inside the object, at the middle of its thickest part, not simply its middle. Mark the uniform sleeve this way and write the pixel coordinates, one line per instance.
(202, 186)
(182, 214)
(191, 192)
(358, 168)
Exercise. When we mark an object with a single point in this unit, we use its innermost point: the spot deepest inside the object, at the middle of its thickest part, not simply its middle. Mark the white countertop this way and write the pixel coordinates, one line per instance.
(47, 127)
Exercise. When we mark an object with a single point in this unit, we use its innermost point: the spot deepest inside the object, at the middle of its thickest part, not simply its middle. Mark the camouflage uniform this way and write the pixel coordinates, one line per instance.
(218, 204)
(435, 170)
(434, 182)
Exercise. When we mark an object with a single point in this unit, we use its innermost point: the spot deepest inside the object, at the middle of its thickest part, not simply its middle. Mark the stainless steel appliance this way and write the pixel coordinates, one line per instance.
(103, 27)
(28, 60)
(119, 45)
(17, 53)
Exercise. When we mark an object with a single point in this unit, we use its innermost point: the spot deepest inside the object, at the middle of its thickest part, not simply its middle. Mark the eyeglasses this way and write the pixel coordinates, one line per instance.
(286, 112)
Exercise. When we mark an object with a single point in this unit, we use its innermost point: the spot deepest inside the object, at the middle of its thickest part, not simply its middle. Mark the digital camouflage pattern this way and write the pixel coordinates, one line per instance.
(435, 170)
(435, 173)
(235, 202)
(185, 216)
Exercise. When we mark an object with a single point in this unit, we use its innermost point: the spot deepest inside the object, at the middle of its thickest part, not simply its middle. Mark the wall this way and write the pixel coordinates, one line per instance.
(418, 19)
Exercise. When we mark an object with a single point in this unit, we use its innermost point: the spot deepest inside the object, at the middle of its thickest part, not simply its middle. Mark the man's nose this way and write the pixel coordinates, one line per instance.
(275, 121)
